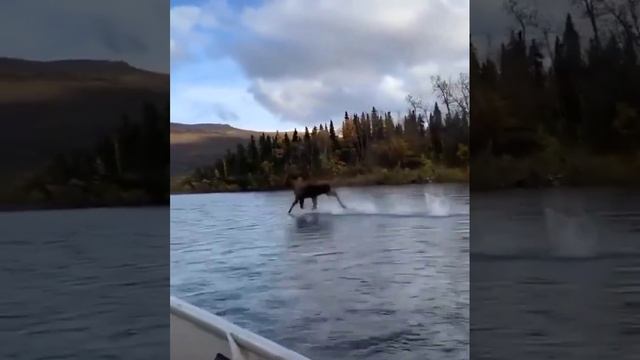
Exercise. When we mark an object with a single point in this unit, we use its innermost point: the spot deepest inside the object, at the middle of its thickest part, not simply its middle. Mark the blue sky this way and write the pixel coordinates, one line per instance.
(280, 64)
(208, 86)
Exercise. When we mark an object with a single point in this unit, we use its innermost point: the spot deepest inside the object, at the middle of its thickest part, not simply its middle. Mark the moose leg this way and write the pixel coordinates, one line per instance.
(292, 205)
(315, 202)
(335, 194)
(301, 203)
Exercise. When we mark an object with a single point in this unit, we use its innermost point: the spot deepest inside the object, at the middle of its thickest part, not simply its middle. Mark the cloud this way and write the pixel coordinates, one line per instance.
(193, 28)
(223, 113)
(308, 61)
(133, 31)
(204, 103)
(303, 38)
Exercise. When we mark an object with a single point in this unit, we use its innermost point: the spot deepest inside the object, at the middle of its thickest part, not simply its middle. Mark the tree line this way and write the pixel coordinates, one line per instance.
(586, 95)
(359, 144)
(568, 92)
(130, 165)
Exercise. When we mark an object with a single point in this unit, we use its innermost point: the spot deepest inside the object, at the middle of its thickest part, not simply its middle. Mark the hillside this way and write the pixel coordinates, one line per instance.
(195, 145)
(51, 107)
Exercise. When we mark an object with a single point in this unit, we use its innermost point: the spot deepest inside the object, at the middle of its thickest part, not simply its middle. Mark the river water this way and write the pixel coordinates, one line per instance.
(84, 284)
(386, 278)
(555, 274)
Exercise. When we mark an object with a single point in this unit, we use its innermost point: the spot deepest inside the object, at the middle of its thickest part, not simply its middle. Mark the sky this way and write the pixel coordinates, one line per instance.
(270, 64)
(279, 64)
(491, 24)
(133, 31)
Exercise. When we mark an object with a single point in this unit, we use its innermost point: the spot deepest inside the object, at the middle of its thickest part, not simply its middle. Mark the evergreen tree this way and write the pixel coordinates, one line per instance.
(254, 157)
(435, 129)
(389, 128)
(332, 135)
(307, 136)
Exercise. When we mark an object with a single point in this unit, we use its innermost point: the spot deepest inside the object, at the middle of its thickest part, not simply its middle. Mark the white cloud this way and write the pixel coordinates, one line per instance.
(220, 104)
(393, 88)
(297, 38)
(185, 18)
(308, 61)
(331, 56)
(191, 27)
(292, 98)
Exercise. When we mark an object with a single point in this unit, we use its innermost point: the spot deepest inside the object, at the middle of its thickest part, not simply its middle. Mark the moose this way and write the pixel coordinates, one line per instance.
(305, 190)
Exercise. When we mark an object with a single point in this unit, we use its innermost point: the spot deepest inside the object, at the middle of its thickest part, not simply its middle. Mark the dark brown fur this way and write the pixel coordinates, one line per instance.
(304, 190)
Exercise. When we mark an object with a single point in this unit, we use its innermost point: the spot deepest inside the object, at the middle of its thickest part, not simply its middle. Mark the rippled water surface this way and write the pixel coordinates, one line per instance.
(386, 278)
(555, 274)
(84, 284)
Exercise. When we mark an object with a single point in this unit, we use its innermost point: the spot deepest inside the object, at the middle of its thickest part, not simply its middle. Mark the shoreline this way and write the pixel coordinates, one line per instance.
(14, 208)
(351, 178)
(287, 188)
(498, 189)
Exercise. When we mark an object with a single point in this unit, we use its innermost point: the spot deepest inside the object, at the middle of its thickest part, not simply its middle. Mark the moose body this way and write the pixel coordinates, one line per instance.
(303, 191)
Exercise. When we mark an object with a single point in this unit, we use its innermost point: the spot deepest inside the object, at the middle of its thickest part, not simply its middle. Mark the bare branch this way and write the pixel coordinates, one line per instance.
(593, 10)
(443, 90)
(524, 15)
(415, 103)
(626, 16)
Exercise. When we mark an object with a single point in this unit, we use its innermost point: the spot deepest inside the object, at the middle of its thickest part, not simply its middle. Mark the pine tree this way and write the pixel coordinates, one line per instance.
(332, 135)
(571, 40)
(254, 156)
(435, 129)
(287, 144)
(240, 160)
(535, 64)
(389, 128)
(307, 136)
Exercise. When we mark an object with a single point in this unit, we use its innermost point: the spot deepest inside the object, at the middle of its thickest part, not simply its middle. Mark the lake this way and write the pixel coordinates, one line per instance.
(84, 284)
(555, 274)
(386, 278)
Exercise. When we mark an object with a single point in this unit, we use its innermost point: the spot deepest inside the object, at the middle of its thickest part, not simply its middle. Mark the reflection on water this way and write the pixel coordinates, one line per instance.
(555, 274)
(385, 278)
(84, 284)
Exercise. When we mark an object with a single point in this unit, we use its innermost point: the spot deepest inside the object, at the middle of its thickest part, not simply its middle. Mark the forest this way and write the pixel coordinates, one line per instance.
(427, 144)
(561, 110)
(128, 167)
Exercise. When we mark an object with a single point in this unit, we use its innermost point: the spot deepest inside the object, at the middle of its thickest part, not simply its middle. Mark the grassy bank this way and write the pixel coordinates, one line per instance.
(76, 195)
(353, 177)
(573, 168)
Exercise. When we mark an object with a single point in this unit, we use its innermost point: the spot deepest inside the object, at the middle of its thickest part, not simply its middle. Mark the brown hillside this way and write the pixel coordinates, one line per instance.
(57, 106)
(194, 145)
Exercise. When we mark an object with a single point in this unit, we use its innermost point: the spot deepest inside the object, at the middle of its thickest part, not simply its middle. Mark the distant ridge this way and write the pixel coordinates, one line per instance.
(52, 107)
(72, 72)
(179, 127)
(72, 66)
(194, 145)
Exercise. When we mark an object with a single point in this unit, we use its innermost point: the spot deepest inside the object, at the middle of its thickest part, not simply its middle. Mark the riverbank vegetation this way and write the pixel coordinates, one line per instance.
(563, 111)
(128, 167)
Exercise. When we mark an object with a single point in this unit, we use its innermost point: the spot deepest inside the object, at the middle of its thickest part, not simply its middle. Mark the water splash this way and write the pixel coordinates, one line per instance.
(571, 233)
(437, 205)
(431, 204)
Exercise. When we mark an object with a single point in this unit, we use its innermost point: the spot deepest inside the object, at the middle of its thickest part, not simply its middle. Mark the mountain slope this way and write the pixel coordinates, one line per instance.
(201, 144)
(51, 107)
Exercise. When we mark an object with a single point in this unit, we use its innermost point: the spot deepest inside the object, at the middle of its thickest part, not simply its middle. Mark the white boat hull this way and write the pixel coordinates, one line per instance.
(199, 335)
